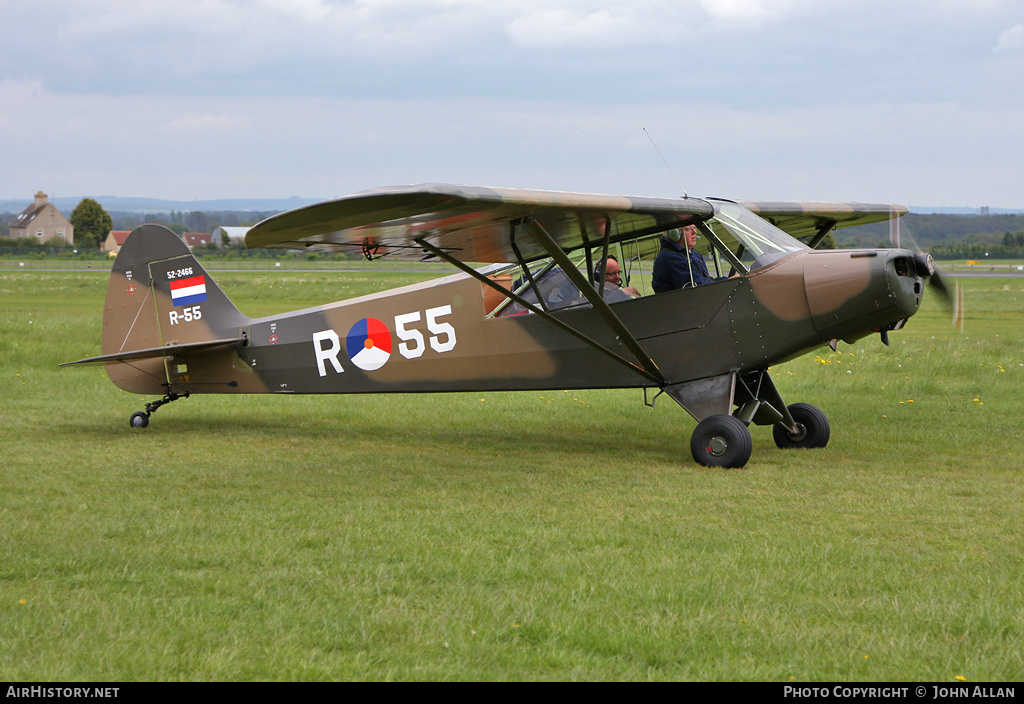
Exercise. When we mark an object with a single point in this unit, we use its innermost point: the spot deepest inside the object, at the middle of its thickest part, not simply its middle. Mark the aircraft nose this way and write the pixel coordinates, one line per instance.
(904, 271)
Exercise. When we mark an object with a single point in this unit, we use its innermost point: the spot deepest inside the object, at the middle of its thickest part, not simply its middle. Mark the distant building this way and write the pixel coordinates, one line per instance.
(43, 222)
(236, 235)
(984, 210)
(115, 240)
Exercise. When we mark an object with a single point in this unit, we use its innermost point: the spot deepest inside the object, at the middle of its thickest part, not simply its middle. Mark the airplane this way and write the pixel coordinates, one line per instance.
(538, 315)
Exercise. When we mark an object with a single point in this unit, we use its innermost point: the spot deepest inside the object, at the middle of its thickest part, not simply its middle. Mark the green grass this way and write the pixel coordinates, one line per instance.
(536, 535)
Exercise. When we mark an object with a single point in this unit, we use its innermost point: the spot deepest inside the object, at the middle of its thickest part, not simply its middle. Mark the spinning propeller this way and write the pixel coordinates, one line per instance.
(952, 300)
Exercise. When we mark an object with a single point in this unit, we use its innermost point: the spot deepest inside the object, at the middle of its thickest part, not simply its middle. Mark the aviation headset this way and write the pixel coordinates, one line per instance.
(599, 268)
(675, 235)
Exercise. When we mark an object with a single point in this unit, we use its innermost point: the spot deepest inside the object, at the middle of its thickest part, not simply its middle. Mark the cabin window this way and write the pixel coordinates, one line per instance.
(556, 289)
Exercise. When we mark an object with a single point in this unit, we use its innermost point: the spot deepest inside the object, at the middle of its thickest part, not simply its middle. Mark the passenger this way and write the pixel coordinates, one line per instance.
(613, 277)
(679, 265)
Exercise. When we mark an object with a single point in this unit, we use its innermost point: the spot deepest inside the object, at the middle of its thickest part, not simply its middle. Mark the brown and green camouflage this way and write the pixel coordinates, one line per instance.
(169, 329)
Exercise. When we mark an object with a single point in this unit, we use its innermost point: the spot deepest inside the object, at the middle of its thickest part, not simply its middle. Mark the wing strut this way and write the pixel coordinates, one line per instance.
(592, 267)
(656, 377)
(823, 230)
(593, 296)
(526, 268)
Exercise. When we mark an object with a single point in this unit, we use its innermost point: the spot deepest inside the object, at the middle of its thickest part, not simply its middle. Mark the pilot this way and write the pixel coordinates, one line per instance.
(679, 265)
(613, 277)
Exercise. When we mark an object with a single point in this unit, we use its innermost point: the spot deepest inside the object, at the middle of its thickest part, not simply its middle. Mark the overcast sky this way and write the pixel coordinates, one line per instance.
(919, 102)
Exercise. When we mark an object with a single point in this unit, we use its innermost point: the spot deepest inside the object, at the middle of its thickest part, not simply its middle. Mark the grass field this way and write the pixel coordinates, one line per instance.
(541, 535)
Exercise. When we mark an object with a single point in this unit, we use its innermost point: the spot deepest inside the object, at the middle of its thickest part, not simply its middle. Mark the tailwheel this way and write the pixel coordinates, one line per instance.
(140, 419)
(812, 428)
(721, 441)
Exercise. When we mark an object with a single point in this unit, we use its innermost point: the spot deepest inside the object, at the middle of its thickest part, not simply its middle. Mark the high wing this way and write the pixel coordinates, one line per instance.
(469, 223)
(809, 219)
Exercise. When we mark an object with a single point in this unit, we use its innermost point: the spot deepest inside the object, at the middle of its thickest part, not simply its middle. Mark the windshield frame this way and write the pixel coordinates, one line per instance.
(749, 238)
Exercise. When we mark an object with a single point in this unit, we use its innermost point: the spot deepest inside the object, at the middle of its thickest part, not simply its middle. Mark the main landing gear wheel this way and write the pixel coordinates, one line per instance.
(139, 419)
(721, 441)
(813, 428)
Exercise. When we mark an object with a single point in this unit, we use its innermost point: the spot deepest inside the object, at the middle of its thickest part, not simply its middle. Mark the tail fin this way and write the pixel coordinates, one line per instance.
(159, 296)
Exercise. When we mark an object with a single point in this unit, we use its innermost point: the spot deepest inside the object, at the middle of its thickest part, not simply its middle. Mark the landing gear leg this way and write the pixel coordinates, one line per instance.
(722, 439)
(140, 419)
(798, 425)
(812, 428)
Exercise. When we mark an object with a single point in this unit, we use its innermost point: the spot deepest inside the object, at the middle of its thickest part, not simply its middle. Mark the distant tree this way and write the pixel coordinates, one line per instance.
(196, 221)
(157, 219)
(126, 221)
(1013, 239)
(92, 224)
(179, 228)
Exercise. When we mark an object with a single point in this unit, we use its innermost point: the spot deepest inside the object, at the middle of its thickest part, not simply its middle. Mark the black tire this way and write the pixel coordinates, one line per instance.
(139, 419)
(814, 426)
(721, 441)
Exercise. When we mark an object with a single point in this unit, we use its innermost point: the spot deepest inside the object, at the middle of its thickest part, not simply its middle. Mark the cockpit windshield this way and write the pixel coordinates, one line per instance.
(754, 241)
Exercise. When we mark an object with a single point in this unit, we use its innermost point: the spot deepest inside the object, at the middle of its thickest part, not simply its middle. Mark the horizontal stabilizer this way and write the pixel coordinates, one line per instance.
(165, 351)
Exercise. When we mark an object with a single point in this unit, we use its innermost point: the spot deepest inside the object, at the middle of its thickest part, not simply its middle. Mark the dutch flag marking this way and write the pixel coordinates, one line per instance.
(186, 292)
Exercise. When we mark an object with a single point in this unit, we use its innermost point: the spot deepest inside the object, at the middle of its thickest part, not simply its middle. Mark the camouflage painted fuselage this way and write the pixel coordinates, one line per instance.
(436, 336)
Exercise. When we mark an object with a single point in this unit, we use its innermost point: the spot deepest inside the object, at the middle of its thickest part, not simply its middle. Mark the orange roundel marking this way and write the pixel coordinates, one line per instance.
(368, 344)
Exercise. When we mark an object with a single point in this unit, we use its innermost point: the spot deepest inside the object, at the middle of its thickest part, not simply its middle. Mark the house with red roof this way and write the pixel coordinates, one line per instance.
(196, 239)
(114, 241)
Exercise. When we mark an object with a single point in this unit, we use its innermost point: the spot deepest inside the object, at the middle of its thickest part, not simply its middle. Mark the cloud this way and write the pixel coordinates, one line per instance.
(749, 98)
(430, 48)
(1012, 39)
(325, 147)
(206, 123)
(555, 27)
(12, 91)
(751, 11)
(608, 25)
